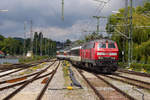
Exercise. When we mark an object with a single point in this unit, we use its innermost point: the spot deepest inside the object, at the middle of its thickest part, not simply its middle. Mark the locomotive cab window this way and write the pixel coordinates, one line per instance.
(90, 45)
(102, 45)
(111, 45)
(85, 46)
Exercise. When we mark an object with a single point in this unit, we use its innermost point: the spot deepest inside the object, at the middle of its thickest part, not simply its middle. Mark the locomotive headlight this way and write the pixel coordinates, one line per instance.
(100, 57)
(113, 54)
(101, 53)
(113, 58)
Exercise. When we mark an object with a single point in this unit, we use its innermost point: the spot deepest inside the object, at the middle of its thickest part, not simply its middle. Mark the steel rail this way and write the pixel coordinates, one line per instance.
(39, 97)
(128, 82)
(22, 87)
(11, 72)
(25, 84)
(6, 67)
(141, 82)
(134, 73)
(13, 85)
(114, 87)
(4, 70)
(16, 66)
(20, 83)
(92, 87)
(1, 71)
(2, 82)
(27, 66)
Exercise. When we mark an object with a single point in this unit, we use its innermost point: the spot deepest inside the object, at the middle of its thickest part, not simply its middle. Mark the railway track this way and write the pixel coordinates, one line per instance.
(9, 67)
(99, 86)
(20, 68)
(14, 80)
(39, 75)
(133, 72)
(1, 71)
(130, 81)
(19, 78)
(39, 97)
(20, 83)
(14, 66)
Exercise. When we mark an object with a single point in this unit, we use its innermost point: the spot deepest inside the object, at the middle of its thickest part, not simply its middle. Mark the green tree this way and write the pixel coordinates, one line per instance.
(35, 43)
(68, 41)
(2, 38)
(11, 46)
(140, 35)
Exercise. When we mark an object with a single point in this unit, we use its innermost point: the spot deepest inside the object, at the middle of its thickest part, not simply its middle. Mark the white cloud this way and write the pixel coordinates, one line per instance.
(73, 32)
(9, 24)
(47, 13)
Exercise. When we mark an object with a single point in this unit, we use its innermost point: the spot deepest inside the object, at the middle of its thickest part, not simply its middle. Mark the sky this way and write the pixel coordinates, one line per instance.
(46, 17)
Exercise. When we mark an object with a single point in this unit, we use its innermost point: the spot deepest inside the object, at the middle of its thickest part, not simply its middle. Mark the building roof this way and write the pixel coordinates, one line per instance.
(1, 52)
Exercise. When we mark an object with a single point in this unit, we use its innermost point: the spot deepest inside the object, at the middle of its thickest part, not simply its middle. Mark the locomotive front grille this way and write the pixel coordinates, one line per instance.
(106, 61)
(106, 58)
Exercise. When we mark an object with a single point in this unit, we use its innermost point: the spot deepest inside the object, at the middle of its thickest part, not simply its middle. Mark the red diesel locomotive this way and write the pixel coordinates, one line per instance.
(100, 55)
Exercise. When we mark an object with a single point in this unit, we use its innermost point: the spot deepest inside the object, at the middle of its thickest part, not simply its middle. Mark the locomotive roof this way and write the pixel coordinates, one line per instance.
(102, 40)
(79, 47)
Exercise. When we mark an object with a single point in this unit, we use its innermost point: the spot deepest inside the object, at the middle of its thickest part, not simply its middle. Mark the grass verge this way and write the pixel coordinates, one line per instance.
(136, 67)
(66, 65)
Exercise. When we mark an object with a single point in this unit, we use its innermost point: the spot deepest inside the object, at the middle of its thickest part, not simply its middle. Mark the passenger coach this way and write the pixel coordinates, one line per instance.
(75, 55)
(60, 54)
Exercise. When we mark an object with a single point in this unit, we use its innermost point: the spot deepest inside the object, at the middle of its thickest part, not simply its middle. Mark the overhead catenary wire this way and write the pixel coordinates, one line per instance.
(98, 10)
(91, 18)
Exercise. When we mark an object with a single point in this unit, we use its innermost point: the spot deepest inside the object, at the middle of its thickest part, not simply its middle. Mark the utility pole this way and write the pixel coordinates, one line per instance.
(31, 35)
(51, 48)
(126, 27)
(130, 36)
(109, 27)
(98, 19)
(24, 51)
(48, 48)
(63, 10)
(36, 50)
(45, 47)
(41, 38)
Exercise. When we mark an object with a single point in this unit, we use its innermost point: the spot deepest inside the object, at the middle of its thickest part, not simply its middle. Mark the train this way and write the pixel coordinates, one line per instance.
(99, 55)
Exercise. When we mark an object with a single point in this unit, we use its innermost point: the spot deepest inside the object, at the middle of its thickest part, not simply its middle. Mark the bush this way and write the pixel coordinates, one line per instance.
(139, 67)
(65, 68)
(146, 67)
(136, 66)
(122, 65)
